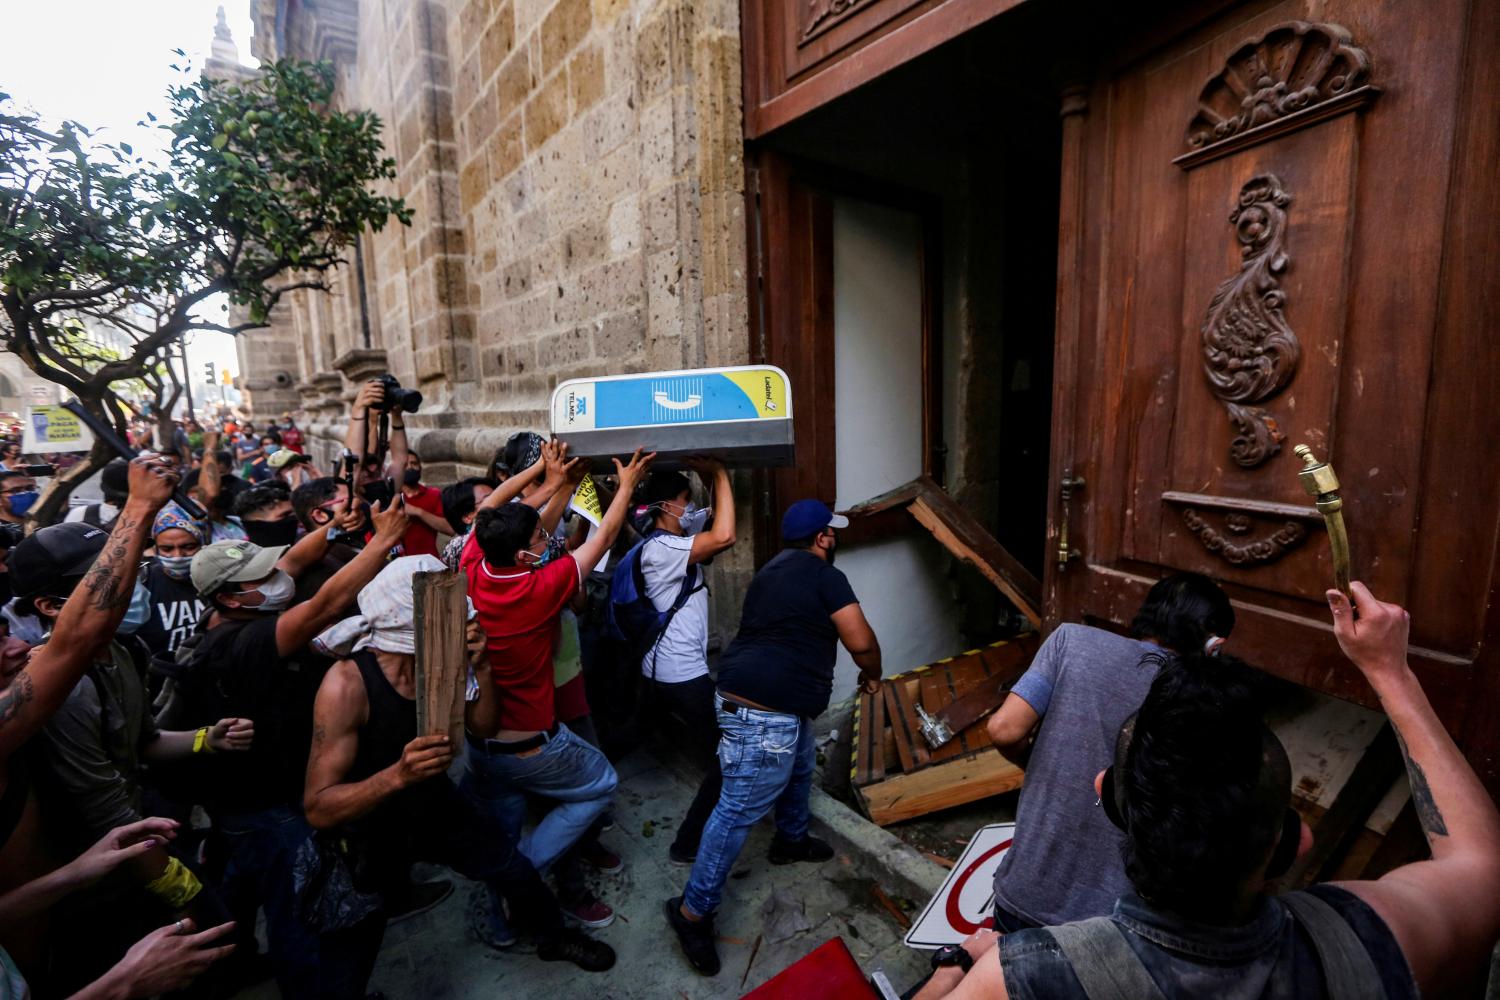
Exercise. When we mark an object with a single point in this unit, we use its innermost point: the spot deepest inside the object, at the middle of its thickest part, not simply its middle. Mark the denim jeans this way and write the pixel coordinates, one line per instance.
(767, 760)
(687, 710)
(566, 769)
(262, 846)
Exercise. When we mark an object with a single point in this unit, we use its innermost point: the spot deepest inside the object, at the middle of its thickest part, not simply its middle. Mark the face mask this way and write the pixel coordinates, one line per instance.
(139, 611)
(20, 503)
(413, 477)
(177, 567)
(269, 534)
(831, 551)
(272, 449)
(276, 593)
(693, 518)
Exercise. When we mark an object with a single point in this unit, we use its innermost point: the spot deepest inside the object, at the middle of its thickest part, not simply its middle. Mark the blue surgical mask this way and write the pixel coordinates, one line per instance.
(139, 611)
(177, 567)
(693, 518)
(20, 503)
(272, 449)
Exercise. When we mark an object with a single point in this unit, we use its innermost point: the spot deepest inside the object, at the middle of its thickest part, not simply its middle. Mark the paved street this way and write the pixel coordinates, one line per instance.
(433, 957)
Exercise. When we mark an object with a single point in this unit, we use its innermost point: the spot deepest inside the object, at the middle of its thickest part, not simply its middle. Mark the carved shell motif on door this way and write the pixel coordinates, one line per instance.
(1249, 351)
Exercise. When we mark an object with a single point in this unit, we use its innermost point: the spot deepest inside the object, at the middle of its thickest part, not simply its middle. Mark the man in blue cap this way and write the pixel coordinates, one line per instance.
(774, 679)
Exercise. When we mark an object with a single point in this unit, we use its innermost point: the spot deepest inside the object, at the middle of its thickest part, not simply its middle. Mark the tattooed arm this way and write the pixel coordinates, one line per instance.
(1444, 912)
(91, 614)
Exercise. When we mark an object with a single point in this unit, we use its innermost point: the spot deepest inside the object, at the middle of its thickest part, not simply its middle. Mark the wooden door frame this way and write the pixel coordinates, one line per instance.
(792, 322)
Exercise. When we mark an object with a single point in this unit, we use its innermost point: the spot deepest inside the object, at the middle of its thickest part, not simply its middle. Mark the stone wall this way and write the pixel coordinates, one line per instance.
(575, 170)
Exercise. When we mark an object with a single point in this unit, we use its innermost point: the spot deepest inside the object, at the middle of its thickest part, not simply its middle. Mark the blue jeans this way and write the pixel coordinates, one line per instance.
(767, 759)
(262, 846)
(566, 769)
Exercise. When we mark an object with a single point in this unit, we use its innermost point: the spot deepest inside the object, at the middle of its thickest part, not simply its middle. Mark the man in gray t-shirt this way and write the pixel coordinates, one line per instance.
(1067, 709)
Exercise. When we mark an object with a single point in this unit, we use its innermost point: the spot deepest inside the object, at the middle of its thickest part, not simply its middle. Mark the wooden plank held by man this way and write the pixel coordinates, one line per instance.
(441, 600)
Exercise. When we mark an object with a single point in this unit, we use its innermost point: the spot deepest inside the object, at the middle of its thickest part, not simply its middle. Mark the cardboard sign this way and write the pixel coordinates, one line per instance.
(52, 428)
(966, 901)
(739, 414)
(586, 501)
(441, 613)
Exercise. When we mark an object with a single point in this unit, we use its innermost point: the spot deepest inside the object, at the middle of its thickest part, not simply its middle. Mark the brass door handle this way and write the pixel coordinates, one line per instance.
(1322, 484)
(1066, 486)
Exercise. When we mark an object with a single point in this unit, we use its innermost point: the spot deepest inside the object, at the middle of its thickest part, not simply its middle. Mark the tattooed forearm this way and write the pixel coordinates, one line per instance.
(1428, 813)
(105, 582)
(15, 697)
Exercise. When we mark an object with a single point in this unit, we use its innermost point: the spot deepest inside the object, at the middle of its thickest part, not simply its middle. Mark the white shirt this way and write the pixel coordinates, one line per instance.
(682, 652)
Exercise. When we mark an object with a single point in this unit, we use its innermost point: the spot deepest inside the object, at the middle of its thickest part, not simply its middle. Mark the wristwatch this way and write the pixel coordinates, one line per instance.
(950, 955)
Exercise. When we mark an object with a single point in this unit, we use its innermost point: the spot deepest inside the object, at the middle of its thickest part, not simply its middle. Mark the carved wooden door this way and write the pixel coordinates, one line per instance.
(1287, 253)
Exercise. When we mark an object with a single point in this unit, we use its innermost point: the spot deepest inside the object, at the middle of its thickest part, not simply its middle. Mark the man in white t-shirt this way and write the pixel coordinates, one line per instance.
(679, 544)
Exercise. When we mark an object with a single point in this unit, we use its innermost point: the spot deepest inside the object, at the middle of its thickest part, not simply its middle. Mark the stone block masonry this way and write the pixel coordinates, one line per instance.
(575, 168)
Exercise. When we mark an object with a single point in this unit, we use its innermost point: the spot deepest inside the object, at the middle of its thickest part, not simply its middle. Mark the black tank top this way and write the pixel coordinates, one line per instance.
(392, 722)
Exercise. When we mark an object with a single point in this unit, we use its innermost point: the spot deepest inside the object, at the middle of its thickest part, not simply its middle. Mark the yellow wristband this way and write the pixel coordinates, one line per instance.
(200, 741)
(176, 886)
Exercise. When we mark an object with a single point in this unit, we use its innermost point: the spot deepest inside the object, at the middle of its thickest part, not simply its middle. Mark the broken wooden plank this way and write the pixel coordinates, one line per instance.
(899, 727)
(1372, 777)
(962, 535)
(971, 706)
(876, 738)
(442, 657)
(940, 786)
(859, 773)
(957, 532)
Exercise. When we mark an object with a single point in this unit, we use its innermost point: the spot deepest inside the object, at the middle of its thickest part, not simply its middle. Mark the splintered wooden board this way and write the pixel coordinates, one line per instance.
(442, 658)
(895, 774)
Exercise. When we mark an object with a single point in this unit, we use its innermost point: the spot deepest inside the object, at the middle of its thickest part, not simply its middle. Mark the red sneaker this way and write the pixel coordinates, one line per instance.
(601, 858)
(590, 912)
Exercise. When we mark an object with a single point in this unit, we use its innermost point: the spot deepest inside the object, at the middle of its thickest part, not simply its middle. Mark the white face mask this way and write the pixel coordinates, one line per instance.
(277, 592)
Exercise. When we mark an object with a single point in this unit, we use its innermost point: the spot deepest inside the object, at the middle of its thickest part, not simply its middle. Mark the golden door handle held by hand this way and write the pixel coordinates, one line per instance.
(1322, 484)
(1067, 485)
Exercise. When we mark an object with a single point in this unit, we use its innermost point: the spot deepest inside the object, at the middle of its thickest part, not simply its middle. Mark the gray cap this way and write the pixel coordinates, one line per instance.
(233, 562)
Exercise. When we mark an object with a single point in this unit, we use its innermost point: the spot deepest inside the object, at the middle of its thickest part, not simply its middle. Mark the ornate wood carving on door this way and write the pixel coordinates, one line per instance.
(1249, 352)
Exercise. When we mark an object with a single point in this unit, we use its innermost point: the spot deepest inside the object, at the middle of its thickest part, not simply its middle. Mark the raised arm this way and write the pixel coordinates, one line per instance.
(306, 552)
(590, 552)
(859, 639)
(356, 438)
(299, 625)
(338, 714)
(1445, 912)
(92, 613)
(512, 487)
(563, 477)
(707, 544)
(210, 478)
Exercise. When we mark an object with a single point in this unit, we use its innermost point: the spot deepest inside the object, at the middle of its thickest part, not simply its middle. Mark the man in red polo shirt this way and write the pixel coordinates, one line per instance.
(519, 595)
(424, 505)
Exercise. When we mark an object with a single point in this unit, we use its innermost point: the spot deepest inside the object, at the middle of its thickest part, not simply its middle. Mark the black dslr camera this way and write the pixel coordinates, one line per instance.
(410, 400)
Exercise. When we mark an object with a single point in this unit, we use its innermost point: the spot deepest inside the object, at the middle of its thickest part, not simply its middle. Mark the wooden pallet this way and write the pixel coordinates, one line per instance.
(894, 773)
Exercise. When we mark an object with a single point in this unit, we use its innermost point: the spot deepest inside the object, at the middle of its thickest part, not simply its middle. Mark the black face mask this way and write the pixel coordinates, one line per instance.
(268, 534)
(413, 477)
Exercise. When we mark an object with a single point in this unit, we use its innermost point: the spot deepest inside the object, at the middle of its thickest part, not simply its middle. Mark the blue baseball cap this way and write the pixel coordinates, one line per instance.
(806, 518)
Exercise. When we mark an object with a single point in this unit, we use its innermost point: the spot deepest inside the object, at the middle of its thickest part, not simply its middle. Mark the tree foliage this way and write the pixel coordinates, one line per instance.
(262, 187)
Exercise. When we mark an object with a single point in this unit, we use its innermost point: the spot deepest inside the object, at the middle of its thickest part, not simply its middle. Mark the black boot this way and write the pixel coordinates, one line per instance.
(578, 948)
(809, 848)
(696, 938)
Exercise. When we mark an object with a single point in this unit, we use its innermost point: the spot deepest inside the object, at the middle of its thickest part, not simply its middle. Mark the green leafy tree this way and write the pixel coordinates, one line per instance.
(262, 188)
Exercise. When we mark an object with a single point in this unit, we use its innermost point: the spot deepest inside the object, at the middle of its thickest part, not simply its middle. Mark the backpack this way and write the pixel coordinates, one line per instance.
(629, 615)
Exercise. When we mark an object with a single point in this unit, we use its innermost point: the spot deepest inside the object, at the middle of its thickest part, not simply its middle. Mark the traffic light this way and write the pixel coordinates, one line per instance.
(208, 373)
(225, 378)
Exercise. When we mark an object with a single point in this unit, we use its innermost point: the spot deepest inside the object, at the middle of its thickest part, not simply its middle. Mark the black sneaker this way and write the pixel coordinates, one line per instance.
(786, 852)
(680, 857)
(422, 897)
(578, 948)
(696, 938)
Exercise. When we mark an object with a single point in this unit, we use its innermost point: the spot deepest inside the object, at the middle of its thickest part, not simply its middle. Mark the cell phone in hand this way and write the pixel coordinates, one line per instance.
(39, 471)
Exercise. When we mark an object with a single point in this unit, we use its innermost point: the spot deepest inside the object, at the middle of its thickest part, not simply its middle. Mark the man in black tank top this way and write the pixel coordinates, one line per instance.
(384, 788)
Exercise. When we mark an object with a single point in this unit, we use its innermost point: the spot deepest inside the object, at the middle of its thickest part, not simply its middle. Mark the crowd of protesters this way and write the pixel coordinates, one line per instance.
(210, 721)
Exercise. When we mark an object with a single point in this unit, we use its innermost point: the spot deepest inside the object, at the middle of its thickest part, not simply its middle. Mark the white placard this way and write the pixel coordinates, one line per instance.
(966, 901)
(52, 429)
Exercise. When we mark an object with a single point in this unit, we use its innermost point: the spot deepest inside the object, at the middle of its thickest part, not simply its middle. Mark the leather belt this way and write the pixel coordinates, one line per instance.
(518, 746)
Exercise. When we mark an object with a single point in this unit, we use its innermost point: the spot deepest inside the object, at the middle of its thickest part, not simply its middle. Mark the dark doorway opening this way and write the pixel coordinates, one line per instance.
(971, 129)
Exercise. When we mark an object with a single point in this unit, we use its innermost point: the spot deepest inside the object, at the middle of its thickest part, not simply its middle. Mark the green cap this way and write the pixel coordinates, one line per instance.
(232, 562)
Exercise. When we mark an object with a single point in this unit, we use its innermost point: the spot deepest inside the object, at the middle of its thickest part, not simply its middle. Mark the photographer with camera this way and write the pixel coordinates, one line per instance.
(377, 431)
